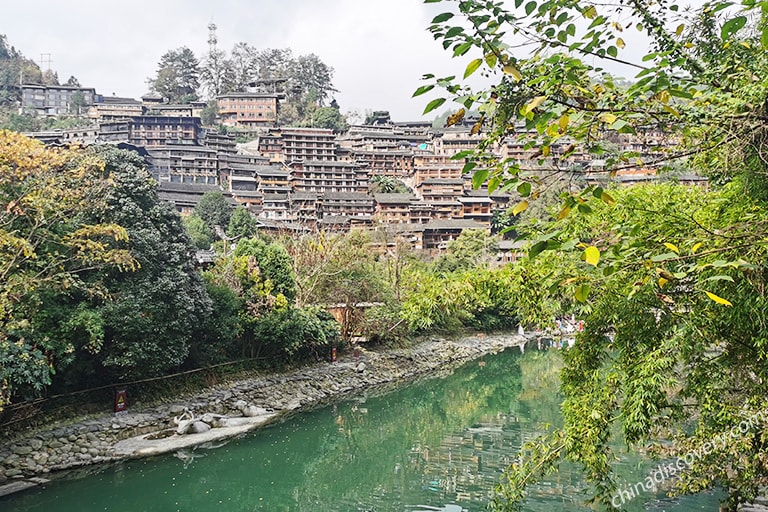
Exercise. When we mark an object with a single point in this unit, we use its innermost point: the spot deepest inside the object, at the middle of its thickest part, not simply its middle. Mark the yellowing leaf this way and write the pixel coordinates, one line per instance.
(680, 29)
(553, 130)
(717, 299)
(662, 282)
(592, 255)
(607, 199)
(563, 122)
(607, 117)
(535, 102)
(696, 247)
(672, 247)
(520, 207)
(472, 67)
(564, 213)
(455, 118)
(620, 42)
(512, 70)
(590, 12)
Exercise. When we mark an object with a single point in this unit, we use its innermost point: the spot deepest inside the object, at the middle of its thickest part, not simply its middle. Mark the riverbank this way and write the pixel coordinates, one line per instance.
(36, 454)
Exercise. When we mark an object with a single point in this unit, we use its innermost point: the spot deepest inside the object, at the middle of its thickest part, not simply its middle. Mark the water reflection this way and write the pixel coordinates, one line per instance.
(439, 444)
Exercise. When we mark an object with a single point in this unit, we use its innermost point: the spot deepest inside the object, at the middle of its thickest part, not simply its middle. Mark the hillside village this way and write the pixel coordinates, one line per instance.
(296, 179)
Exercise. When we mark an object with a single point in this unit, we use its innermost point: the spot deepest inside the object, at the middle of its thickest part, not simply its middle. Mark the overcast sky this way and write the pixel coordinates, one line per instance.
(378, 48)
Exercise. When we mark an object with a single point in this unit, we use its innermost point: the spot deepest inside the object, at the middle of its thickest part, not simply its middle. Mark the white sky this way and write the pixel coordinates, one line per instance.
(379, 49)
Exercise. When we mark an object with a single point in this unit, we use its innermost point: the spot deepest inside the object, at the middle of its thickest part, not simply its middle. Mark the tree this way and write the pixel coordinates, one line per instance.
(329, 117)
(48, 244)
(77, 103)
(152, 315)
(472, 248)
(72, 82)
(178, 76)
(310, 75)
(50, 77)
(214, 209)
(202, 236)
(217, 74)
(244, 62)
(15, 68)
(670, 290)
(241, 224)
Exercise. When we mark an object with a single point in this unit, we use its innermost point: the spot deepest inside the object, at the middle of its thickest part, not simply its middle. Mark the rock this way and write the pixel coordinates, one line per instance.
(21, 449)
(198, 427)
(36, 444)
(176, 409)
(250, 411)
(10, 473)
(240, 404)
(55, 444)
(360, 368)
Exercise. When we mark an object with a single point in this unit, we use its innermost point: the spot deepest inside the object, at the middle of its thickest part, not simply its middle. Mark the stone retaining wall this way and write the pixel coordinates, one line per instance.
(38, 453)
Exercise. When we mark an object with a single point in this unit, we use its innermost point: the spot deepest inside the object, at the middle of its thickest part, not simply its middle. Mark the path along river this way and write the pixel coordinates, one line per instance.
(437, 444)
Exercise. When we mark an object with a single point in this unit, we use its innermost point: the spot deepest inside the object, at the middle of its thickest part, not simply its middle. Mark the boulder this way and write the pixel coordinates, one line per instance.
(198, 427)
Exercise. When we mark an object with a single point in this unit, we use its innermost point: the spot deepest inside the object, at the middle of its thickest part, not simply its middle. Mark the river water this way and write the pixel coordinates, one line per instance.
(438, 444)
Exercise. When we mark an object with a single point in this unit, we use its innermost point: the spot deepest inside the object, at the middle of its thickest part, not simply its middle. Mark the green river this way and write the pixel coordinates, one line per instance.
(437, 444)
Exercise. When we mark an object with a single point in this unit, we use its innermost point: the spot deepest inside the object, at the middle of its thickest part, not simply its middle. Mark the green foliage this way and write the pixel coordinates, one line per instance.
(274, 264)
(381, 184)
(669, 279)
(219, 338)
(214, 209)
(241, 224)
(202, 236)
(49, 245)
(296, 332)
(178, 76)
(153, 313)
(13, 66)
(472, 248)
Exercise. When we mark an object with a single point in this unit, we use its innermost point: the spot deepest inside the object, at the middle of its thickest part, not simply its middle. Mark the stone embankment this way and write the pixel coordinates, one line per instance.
(136, 433)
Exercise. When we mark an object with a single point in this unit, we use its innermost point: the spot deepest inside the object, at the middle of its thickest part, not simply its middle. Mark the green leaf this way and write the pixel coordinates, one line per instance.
(468, 167)
(479, 178)
(717, 299)
(598, 192)
(720, 278)
(432, 105)
(582, 292)
(537, 248)
(421, 90)
(524, 189)
(732, 26)
(494, 183)
(442, 17)
(529, 8)
(664, 257)
(592, 255)
(462, 49)
(472, 67)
